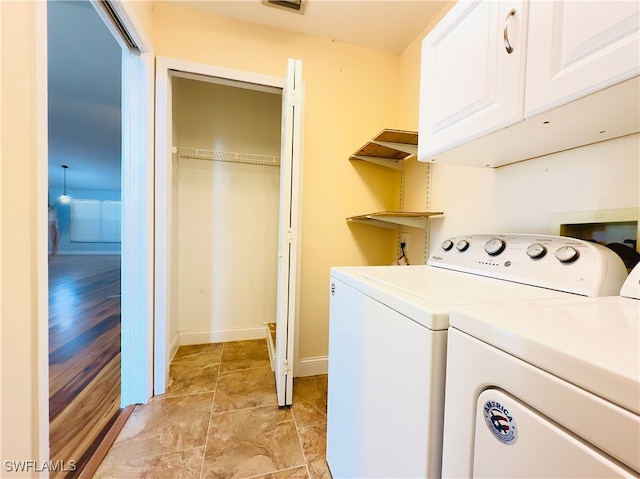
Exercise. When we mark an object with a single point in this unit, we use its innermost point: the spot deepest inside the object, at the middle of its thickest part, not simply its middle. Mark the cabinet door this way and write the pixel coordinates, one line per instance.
(470, 85)
(578, 47)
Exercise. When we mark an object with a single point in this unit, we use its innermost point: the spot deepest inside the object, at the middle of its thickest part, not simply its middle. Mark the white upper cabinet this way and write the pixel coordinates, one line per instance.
(472, 79)
(505, 81)
(579, 48)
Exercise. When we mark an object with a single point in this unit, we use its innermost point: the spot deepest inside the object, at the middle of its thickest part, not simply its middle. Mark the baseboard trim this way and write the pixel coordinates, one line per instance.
(314, 366)
(173, 347)
(311, 366)
(204, 337)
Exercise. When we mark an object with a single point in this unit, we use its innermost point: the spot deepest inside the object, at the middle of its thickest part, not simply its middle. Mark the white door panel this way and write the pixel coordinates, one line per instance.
(289, 239)
(577, 48)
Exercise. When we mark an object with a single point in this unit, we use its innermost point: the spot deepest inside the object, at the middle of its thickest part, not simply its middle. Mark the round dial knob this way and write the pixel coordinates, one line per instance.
(446, 245)
(536, 250)
(495, 246)
(567, 254)
(462, 245)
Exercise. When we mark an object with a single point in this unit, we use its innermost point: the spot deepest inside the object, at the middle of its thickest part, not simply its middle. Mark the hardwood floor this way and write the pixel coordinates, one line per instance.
(84, 355)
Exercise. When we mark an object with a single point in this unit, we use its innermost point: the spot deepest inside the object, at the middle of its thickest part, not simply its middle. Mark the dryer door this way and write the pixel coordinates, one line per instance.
(513, 440)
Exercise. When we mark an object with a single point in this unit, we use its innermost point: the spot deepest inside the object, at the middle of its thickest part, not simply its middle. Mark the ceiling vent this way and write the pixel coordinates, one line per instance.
(296, 6)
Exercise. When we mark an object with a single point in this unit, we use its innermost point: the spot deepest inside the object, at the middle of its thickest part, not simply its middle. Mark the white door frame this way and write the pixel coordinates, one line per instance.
(137, 314)
(136, 326)
(166, 341)
(138, 220)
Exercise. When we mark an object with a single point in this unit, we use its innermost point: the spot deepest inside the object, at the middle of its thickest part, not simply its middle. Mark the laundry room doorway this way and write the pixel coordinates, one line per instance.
(227, 212)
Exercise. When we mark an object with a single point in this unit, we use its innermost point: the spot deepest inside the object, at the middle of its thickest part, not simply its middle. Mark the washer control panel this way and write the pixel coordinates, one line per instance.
(555, 262)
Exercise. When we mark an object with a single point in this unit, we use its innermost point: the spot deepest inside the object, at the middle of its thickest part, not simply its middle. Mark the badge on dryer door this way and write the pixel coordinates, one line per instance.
(500, 422)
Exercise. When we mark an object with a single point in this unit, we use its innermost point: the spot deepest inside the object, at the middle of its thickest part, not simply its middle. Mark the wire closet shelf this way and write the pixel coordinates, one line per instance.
(227, 157)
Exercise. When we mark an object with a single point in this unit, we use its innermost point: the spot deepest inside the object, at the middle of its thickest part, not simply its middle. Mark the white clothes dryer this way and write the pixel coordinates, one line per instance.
(545, 389)
(388, 339)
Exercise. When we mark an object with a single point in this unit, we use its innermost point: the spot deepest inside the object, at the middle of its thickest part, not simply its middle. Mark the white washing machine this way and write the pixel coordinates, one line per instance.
(388, 339)
(546, 389)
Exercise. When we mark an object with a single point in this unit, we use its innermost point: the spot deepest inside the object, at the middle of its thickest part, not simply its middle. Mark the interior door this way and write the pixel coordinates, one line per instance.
(289, 230)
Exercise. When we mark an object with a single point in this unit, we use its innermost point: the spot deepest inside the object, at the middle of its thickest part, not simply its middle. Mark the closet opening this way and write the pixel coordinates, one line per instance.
(226, 139)
(228, 168)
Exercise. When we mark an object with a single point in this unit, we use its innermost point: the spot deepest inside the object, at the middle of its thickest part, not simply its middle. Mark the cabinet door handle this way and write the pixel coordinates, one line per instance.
(507, 45)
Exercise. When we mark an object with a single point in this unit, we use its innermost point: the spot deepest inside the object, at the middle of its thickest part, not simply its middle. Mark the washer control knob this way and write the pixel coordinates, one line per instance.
(446, 245)
(495, 246)
(462, 245)
(567, 254)
(536, 250)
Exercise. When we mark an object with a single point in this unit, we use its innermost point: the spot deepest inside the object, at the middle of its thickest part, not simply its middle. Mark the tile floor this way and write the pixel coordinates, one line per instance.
(219, 419)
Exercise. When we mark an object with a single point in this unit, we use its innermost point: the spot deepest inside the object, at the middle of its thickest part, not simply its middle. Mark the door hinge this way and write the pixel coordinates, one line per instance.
(289, 236)
(286, 368)
(294, 97)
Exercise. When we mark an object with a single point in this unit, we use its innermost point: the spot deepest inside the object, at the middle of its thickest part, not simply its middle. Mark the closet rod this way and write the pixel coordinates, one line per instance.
(227, 157)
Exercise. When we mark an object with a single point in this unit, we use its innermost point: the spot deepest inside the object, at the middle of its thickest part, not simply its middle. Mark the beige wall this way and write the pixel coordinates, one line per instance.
(416, 174)
(23, 232)
(351, 94)
(141, 15)
(226, 118)
(524, 197)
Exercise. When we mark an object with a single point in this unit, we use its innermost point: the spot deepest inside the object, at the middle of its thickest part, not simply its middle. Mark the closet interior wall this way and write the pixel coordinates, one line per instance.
(226, 209)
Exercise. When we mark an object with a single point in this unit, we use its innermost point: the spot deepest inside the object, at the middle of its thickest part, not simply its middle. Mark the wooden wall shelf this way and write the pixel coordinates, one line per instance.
(389, 148)
(396, 219)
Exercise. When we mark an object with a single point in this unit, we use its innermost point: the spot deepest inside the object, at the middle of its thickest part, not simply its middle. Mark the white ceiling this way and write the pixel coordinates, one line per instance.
(84, 68)
(386, 25)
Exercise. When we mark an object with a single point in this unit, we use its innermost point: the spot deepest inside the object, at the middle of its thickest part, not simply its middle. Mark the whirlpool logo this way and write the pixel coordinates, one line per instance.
(500, 422)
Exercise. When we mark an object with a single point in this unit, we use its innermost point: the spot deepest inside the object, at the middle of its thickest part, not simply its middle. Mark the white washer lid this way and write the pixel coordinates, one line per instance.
(427, 294)
(593, 343)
